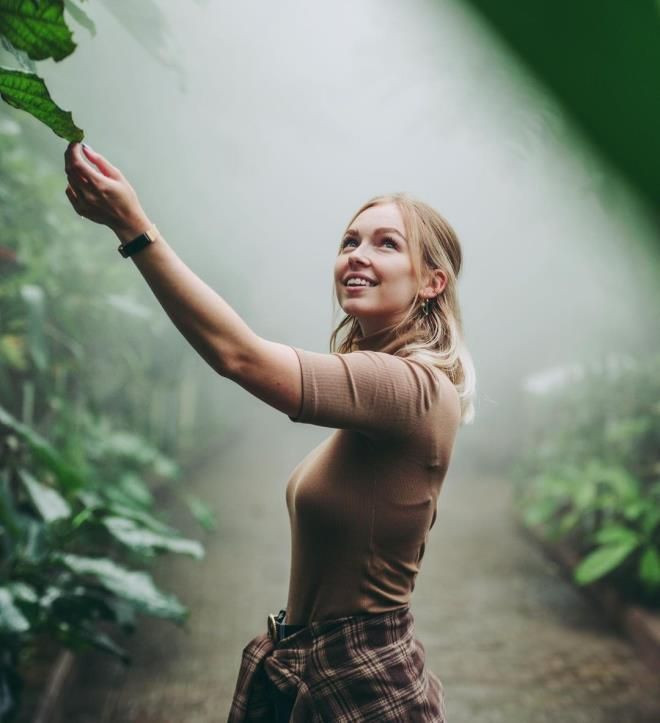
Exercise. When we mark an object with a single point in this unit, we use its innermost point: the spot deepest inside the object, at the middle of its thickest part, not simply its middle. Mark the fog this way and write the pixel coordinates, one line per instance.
(253, 131)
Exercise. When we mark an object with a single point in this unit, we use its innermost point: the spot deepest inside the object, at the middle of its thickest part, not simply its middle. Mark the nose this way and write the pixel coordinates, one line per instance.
(357, 258)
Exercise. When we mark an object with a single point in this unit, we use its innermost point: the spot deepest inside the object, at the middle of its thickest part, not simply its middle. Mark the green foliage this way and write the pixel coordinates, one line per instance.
(84, 370)
(36, 30)
(28, 92)
(591, 474)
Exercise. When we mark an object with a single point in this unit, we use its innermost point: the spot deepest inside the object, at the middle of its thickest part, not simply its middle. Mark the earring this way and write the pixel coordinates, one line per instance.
(425, 307)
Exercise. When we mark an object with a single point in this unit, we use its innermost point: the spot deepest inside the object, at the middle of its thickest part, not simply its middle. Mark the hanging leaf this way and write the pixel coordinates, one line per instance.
(136, 587)
(143, 540)
(28, 92)
(12, 619)
(38, 28)
(48, 501)
(601, 561)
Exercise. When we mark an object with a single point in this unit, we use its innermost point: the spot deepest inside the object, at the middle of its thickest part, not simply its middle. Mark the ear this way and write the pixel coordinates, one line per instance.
(436, 281)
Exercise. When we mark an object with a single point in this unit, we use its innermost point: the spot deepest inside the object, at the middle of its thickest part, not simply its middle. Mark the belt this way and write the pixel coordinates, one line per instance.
(277, 629)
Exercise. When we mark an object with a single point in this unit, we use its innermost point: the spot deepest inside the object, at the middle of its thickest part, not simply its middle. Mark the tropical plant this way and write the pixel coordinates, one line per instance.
(591, 473)
(36, 30)
(78, 460)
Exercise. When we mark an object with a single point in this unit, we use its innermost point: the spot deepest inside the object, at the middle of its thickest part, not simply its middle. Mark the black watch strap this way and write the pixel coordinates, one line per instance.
(137, 244)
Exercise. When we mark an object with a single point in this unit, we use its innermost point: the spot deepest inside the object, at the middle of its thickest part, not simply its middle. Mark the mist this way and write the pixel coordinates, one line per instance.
(253, 131)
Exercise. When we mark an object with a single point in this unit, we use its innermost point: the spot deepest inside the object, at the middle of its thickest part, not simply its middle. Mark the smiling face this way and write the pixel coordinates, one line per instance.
(375, 247)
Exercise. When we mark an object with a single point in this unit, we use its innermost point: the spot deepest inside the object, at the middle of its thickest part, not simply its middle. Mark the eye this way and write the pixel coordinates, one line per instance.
(347, 240)
(387, 239)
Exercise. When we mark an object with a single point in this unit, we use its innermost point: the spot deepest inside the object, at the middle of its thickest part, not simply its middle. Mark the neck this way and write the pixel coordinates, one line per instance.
(384, 340)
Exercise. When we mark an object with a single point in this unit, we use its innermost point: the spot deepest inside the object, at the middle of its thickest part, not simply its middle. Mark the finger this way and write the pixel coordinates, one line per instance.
(75, 179)
(84, 191)
(81, 166)
(106, 168)
(74, 199)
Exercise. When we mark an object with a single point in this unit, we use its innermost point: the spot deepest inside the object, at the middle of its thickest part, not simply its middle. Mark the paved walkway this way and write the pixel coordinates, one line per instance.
(510, 639)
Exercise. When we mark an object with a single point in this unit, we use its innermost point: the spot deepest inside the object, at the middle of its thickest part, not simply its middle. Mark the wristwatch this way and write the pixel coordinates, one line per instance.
(137, 244)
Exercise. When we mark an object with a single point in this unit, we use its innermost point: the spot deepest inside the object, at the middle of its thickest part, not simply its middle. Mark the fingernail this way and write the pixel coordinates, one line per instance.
(89, 148)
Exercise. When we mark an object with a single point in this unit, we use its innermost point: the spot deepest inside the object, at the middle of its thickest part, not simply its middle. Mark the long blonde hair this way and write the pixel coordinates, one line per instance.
(437, 338)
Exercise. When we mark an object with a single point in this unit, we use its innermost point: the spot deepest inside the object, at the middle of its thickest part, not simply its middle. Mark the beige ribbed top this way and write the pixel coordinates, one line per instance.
(361, 504)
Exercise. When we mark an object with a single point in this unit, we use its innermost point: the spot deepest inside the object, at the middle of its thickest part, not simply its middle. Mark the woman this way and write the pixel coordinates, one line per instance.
(362, 503)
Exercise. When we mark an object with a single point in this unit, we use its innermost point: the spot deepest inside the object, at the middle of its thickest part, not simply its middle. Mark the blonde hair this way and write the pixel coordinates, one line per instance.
(437, 338)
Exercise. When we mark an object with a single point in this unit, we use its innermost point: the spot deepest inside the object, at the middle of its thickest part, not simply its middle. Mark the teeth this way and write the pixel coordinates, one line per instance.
(358, 282)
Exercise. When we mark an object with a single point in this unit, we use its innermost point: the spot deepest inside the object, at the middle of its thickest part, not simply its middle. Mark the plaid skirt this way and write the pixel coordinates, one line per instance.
(368, 667)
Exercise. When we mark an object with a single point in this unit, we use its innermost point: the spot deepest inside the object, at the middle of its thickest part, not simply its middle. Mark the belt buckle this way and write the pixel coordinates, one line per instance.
(274, 622)
(272, 628)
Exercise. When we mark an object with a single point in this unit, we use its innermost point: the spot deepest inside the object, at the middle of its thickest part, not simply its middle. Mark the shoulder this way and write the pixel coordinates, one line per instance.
(447, 393)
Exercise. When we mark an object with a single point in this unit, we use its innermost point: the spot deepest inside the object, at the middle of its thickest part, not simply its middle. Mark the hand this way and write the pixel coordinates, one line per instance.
(104, 195)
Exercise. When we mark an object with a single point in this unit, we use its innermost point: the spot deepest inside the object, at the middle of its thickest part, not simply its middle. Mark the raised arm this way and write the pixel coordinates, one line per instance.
(204, 318)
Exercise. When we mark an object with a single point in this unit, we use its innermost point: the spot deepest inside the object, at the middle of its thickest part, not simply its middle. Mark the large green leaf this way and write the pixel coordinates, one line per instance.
(601, 561)
(136, 587)
(48, 501)
(28, 92)
(143, 540)
(38, 28)
(12, 619)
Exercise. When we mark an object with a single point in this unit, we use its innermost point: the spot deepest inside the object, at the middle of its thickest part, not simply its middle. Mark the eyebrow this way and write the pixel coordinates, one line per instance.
(353, 232)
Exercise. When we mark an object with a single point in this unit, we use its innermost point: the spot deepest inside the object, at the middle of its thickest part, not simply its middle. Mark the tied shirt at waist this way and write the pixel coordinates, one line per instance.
(361, 666)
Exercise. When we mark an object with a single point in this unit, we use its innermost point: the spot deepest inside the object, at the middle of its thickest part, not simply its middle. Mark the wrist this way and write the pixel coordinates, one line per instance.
(128, 231)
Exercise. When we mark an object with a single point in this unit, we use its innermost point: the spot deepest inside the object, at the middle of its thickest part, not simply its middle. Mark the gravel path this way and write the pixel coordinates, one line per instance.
(510, 639)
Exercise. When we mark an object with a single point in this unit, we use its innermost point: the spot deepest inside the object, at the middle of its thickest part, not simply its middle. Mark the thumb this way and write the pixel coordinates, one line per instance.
(106, 168)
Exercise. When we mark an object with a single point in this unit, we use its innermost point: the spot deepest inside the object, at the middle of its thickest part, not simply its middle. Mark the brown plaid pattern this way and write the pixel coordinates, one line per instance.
(366, 667)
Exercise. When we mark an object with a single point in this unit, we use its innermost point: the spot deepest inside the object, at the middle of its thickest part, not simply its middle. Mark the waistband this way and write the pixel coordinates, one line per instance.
(277, 629)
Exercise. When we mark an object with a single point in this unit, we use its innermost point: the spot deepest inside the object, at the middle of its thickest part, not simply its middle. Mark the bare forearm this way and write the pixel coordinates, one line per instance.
(204, 318)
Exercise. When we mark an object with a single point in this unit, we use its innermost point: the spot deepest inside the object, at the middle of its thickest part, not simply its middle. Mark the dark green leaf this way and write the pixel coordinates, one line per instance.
(28, 92)
(136, 587)
(38, 28)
